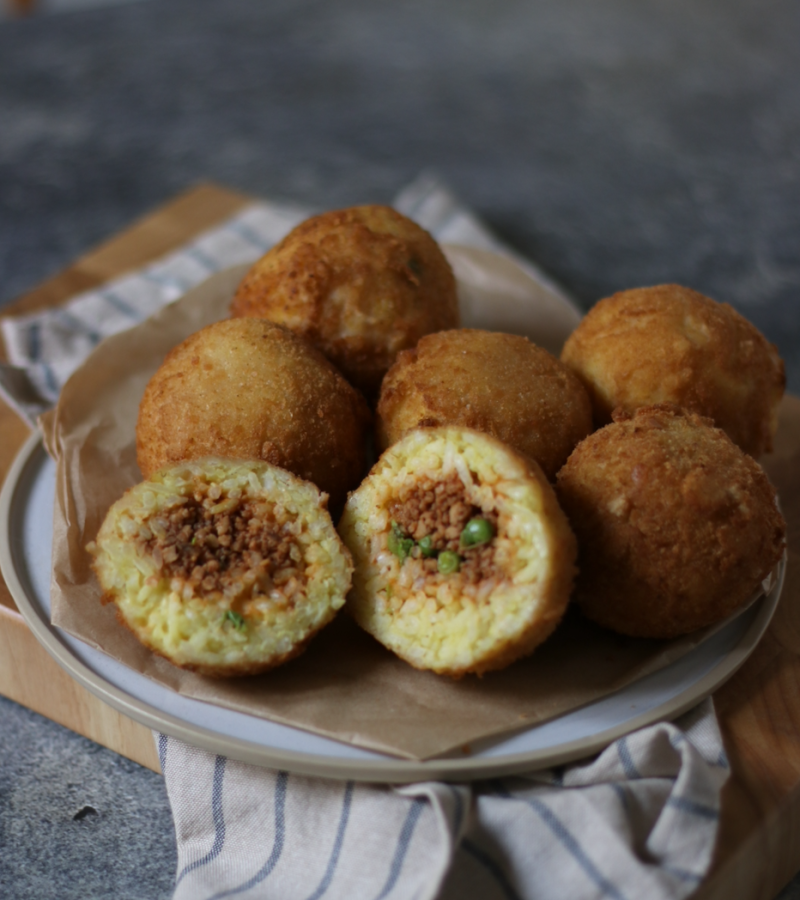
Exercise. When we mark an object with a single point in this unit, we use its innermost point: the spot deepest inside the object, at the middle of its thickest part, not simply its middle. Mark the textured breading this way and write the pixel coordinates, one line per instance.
(250, 389)
(223, 567)
(498, 383)
(669, 344)
(493, 602)
(676, 526)
(360, 284)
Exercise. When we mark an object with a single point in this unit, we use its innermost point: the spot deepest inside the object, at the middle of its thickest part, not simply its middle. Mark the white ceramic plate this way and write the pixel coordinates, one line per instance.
(26, 510)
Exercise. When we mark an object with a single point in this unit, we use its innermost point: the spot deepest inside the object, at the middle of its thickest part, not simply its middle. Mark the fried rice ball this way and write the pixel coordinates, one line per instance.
(498, 383)
(464, 559)
(223, 567)
(361, 284)
(669, 344)
(676, 526)
(249, 389)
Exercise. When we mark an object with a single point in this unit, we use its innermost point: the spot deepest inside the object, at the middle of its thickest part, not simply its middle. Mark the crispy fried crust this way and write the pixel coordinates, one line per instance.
(503, 602)
(498, 383)
(676, 526)
(361, 284)
(221, 566)
(249, 389)
(669, 344)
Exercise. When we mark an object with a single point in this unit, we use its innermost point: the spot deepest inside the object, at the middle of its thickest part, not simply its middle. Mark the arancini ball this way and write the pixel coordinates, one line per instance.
(224, 567)
(676, 526)
(463, 558)
(250, 389)
(360, 284)
(669, 344)
(498, 383)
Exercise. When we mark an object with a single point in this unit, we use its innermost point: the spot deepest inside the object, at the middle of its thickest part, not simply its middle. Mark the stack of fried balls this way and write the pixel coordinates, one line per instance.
(494, 500)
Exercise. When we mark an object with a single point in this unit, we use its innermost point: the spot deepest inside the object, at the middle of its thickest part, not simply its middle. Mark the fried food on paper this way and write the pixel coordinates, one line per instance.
(360, 284)
(498, 383)
(463, 558)
(676, 526)
(223, 567)
(249, 389)
(669, 344)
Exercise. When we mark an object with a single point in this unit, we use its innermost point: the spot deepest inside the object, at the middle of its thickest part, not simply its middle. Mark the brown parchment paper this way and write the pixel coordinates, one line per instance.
(346, 685)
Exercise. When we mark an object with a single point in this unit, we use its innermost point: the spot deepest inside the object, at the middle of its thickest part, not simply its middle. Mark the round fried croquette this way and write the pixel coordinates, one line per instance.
(249, 389)
(361, 284)
(669, 344)
(676, 526)
(223, 567)
(498, 383)
(463, 558)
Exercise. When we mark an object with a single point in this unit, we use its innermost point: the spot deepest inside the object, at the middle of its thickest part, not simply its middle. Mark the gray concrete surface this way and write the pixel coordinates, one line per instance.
(76, 820)
(617, 142)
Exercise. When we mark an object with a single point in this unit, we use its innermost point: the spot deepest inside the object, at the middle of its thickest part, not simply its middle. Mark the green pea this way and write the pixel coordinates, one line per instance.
(476, 532)
(449, 561)
(398, 543)
(426, 547)
(236, 619)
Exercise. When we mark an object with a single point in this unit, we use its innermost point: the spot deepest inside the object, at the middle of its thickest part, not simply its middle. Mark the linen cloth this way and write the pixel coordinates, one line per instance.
(640, 820)
(637, 821)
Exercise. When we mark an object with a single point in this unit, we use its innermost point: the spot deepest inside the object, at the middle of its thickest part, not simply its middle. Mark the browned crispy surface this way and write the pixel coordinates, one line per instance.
(497, 383)
(249, 389)
(361, 284)
(669, 344)
(676, 526)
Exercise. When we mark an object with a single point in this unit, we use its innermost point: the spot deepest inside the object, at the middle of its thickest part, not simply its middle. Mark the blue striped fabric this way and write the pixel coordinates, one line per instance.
(637, 821)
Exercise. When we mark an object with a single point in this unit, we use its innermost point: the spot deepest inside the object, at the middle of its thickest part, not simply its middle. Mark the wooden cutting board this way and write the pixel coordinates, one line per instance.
(759, 708)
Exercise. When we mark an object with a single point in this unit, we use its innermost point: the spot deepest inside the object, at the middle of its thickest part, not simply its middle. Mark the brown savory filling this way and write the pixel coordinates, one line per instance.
(435, 522)
(210, 542)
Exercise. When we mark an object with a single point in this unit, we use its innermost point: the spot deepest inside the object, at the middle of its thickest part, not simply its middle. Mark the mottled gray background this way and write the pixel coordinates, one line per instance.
(616, 142)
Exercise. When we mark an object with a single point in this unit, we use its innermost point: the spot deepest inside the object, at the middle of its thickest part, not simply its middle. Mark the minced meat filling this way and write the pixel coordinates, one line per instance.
(209, 550)
(440, 511)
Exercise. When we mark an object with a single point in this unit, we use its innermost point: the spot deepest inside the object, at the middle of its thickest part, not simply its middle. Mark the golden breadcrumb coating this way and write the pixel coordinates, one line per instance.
(669, 344)
(498, 383)
(221, 566)
(676, 526)
(249, 389)
(361, 284)
(424, 586)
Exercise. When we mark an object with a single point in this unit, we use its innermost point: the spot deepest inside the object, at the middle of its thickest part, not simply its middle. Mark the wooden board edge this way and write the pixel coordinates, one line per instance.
(764, 863)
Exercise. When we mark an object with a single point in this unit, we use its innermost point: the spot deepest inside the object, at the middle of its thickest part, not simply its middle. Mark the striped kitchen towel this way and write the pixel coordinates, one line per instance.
(638, 821)
(45, 348)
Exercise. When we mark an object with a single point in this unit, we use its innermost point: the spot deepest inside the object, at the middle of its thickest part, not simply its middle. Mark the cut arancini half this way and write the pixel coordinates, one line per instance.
(464, 561)
(225, 567)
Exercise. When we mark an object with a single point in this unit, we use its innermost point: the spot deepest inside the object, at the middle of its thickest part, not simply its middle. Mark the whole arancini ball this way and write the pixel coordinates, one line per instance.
(669, 344)
(676, 526)
(501, 384)
(360, 284)
(249, 389)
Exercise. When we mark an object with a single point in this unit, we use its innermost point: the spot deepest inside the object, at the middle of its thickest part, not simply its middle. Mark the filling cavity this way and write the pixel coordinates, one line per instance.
(216, 543)
(435, 523)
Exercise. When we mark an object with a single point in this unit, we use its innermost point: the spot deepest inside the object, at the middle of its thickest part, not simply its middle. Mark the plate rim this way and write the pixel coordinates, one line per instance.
(390, 769)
